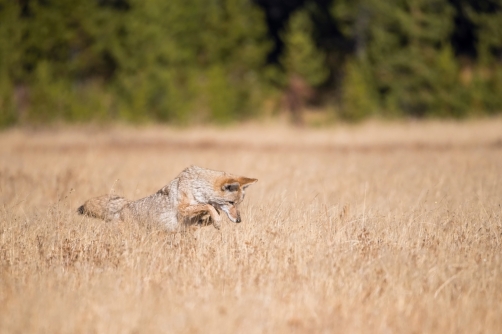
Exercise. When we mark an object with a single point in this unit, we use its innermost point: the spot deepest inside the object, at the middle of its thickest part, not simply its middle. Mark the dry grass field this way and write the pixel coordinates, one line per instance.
(375, 228)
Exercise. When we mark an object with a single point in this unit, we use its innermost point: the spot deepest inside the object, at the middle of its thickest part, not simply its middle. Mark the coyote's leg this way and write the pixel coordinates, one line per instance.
(189, 211)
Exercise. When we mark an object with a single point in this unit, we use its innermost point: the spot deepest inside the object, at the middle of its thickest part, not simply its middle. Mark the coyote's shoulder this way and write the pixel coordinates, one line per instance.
(195, 196)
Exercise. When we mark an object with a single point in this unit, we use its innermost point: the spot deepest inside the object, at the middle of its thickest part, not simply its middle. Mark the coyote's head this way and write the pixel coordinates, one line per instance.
(232, 192)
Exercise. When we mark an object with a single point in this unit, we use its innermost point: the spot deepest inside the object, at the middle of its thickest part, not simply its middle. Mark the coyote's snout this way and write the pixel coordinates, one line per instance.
(231, 209)
(195, 197)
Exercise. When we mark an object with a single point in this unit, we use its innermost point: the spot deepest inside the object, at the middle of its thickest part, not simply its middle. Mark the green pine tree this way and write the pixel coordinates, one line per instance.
(359, 97)
(406, 46)
(487, 84)
(193, 47)
(10, 54)
(301, 56)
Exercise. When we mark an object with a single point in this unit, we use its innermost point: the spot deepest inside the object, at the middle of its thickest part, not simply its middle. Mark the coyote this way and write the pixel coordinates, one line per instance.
(195, 197)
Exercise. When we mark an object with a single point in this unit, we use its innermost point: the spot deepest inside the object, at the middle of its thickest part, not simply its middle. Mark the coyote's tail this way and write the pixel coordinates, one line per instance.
(103, 207)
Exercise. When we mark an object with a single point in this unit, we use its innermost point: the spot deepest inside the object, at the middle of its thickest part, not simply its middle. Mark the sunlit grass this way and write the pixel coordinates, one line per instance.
(372, 228)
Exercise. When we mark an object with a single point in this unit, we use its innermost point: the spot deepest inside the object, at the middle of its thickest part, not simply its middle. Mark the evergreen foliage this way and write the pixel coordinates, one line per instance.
(176, 60)
(301, 55)
(407, 47)
(359, 95)
(186, 61)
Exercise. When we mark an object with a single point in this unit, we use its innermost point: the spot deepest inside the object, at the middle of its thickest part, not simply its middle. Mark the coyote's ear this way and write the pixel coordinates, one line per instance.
(230, 186)
(246, 181)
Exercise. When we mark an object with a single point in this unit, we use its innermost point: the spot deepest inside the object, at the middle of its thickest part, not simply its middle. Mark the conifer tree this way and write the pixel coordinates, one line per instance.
(10, 54)
(403, 43)
(193, 47)
(301, 56)
(304, 64)
(487, 83)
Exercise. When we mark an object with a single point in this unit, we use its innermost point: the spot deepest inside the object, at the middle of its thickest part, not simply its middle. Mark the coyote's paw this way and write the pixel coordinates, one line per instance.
(215, 216)
(217, 221)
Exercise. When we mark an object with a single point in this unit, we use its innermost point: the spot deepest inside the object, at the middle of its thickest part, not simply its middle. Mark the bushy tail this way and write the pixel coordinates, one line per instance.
(103, 207)
(81, 210)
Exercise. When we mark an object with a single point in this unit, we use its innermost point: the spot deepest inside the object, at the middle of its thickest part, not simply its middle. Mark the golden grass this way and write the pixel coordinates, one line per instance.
(377, 228)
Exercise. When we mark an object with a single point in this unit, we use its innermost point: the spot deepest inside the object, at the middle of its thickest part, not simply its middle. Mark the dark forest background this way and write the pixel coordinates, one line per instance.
(193, 61)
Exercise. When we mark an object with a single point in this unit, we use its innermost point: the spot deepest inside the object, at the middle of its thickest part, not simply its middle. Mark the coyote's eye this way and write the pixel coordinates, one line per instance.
(230, 187)
(231, 203)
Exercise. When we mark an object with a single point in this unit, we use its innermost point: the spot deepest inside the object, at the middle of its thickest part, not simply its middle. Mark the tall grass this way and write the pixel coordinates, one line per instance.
(375, 228)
